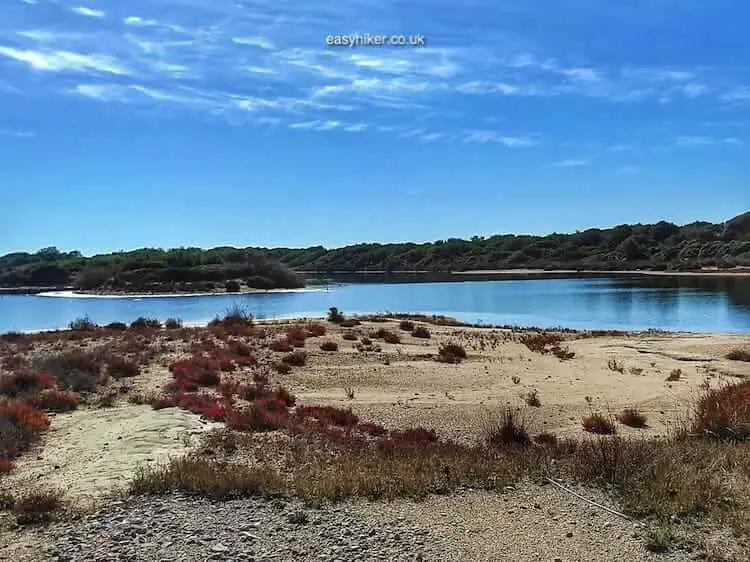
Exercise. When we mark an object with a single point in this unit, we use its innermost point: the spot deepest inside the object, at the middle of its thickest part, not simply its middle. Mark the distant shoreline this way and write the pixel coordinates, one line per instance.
(70, 292)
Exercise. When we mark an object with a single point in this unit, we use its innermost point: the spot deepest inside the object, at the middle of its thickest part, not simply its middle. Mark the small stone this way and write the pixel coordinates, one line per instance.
(569, 534)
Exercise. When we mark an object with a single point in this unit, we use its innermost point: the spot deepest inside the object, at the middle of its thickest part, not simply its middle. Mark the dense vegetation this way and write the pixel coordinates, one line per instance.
(652, 246)
(184, 269)
(658, 246)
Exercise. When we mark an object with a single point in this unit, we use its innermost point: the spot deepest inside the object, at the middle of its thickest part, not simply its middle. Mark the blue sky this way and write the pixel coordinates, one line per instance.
(209, 122)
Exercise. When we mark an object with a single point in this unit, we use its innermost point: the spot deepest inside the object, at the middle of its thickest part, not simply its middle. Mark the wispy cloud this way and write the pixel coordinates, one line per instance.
(18, 134)
(61, 61)
(260, 42)
(737, 95)
(572, 163)
(700, 140)
(88, 12)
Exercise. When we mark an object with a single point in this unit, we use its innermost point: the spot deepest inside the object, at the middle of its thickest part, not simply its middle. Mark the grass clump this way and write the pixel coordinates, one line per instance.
(451, 353)
(37, 507)
(674, 375)
(739, 355)
(532, 399)
(614, 365)
(295, 358)
(508, 429)
(329, 346)
(421, 332)
(632, 417)
(724, 413)
(207, 478)
(599, 424)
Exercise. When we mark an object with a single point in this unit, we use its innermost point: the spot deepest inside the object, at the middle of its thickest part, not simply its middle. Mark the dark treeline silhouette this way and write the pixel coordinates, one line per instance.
(647, 246)
(154, 270)
(663, 246)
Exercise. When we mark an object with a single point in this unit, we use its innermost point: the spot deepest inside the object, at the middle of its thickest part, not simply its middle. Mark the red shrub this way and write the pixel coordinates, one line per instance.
(205, 405)
(24, 416)
(328, 415)
(194, 372)
(6, 466)
(25, 382)
(227, 365)
(228, 388)
(54, 400)
(296, 336)
(250, 392)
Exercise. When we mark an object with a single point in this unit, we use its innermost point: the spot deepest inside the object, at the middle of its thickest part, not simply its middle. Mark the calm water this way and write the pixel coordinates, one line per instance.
(629, 303)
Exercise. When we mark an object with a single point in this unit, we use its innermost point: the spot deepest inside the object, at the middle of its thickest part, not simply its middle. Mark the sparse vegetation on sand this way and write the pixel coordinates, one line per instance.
(273, 441)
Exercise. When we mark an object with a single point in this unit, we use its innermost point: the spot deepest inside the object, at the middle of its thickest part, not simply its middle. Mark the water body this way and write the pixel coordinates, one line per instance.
(622, 302)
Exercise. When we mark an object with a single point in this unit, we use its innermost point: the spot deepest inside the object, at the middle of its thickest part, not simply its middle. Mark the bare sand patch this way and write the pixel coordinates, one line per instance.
(92, 452)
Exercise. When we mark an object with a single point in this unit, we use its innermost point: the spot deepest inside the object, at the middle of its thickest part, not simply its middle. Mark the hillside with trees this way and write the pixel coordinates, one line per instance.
(660, 246)
(148, 270)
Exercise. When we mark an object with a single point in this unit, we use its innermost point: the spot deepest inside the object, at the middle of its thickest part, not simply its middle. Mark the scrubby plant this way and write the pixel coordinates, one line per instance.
(614, 365)
(350, 336)
(118, 367)
(739, 355)
(674, 375)
(173, 324)
(282, 368)
(724, 413)
(545, 438)
(84, 324)
(78, 371)
(406, 325)
(632, 417)
(421, 332)
(506, 429)
(37, 506)
(295, 358)
(451, 352)
(25, 382)
(54, 400)
(532, 399)
(329, 346)
(281, 345)
(599, 424)
(116, 326)
(142, 323)
(315, 329)
(335, 315)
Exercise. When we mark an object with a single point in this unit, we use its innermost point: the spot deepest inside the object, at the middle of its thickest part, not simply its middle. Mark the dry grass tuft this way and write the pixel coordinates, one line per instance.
(599, 424)
(632, 417)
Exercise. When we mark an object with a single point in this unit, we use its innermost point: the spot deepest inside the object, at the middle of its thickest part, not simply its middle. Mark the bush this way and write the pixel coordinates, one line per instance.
(197, 371)
(506, 430)
(296, 336)
(20, 426)
(335, 316)
(451, 353)
(738, 355)
(329, 346)
(173, 324)
(84, 324)
(119, 368)
(281, 345)
(532, 399)
(258, 416)
(538, 343)
(614, 365)
(78, 371)
(406, 325)
(599, 424)
(421, 332)
(54, 400)
(232, 287)
(295, 358)
(282, 368)
(724, 413)
(143, 323)
(349, 323)
(632, 417)
(25, 382)
(118, 326)
(350, 336)
(674, 375)
(315, 329)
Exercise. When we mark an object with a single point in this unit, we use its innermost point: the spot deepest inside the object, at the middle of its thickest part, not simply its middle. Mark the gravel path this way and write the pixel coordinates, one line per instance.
(527, 523)
(176, 528)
